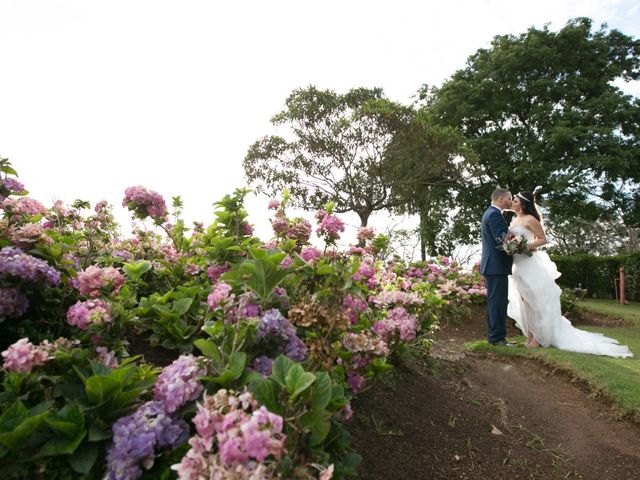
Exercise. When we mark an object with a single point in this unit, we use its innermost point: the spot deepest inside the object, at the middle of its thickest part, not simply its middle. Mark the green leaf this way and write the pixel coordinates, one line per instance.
(136, 270)
(280, 367)
(100, 389)
(317, 421)
(322, 390)
(297, 380)
(97, 434)
(209, 349)
(14, 440)
(234, 369)
(264, 390)
(182, 306)
(84, 458)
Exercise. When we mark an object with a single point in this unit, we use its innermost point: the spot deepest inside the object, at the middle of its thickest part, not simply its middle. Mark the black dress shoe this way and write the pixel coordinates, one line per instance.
(503, 343)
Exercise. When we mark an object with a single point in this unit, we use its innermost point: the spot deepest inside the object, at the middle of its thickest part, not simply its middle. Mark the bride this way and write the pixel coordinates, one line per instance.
(534, 297)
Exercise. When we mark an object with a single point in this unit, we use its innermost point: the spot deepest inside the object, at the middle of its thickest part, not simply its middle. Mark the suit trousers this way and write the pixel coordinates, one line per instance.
(497, 300)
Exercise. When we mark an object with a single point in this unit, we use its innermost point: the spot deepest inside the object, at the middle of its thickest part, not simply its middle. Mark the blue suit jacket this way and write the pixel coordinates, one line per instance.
(494, 227)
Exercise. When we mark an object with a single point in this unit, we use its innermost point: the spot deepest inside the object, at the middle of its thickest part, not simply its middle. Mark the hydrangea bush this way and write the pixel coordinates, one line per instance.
(198, 352)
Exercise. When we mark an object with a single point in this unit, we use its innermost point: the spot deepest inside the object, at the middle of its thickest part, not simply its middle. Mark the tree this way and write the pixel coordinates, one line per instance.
(542, 109)
(335, 153)
(424, 170)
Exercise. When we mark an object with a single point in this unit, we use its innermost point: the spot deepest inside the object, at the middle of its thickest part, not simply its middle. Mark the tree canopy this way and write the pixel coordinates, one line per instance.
(544, 108)
(335, 151)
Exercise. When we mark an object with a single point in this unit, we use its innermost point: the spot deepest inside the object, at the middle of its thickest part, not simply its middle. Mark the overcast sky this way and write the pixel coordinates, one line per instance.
(96, 96)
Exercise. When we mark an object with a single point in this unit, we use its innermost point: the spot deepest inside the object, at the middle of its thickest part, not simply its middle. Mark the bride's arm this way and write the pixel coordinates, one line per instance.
(538, 233)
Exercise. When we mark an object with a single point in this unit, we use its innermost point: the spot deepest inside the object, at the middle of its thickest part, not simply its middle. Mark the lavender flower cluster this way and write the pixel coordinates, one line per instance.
(152, 426)
(273, 327)
(136, 437)
(14, 262)
(10, 186)
(145, 203)
(13, 303)
(178, 384)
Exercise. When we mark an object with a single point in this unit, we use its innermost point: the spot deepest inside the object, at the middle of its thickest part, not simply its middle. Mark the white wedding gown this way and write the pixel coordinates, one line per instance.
(534, 303)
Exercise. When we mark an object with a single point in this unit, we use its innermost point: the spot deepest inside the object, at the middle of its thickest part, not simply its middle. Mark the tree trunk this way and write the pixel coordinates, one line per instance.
(364, 219)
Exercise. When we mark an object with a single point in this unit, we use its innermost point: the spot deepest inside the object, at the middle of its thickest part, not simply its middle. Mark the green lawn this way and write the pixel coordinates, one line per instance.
(617, 378)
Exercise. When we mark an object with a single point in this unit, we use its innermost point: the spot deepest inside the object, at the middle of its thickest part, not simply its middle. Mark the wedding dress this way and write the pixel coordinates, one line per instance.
(534, 303)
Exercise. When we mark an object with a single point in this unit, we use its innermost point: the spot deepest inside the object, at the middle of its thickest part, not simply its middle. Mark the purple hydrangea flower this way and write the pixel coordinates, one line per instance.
(274, 327)
(16, 263)
(178, 384)
(137, 436)
(13, 303)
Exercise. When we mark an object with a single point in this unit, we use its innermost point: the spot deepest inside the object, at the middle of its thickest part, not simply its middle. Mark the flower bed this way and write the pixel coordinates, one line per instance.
(266, 343)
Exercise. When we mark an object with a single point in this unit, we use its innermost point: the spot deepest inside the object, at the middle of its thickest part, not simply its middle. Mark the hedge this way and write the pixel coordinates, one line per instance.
(596, 274)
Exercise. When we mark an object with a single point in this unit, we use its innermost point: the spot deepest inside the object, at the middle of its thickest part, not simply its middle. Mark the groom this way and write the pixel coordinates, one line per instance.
(496, 266)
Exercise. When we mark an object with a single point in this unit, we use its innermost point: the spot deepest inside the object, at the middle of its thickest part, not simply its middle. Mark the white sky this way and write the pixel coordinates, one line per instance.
(96, 96)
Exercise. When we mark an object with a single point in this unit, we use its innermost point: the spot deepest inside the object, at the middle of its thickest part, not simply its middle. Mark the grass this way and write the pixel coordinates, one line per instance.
(616, 378)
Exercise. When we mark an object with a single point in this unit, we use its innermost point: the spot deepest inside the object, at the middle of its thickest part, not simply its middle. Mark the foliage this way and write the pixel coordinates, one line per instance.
(544, 107)
(596, 274)
(336, 152)
(302, 328)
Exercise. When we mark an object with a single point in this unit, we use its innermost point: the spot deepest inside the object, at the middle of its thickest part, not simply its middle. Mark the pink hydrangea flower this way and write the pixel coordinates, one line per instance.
(23, 356)
(286, 262)
(310, 253)
(94, 311)
(274, 204)
(145, 203)
(107, 357)
(220, 296)
(94, 279)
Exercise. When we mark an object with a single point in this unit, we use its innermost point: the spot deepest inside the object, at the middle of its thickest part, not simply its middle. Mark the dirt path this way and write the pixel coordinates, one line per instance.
(472, 417)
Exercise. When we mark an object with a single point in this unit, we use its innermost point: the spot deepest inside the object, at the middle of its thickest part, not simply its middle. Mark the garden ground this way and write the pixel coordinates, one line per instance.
(485, 416)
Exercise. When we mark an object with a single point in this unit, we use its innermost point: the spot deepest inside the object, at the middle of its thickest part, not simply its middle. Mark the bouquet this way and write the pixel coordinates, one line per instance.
(513, 243)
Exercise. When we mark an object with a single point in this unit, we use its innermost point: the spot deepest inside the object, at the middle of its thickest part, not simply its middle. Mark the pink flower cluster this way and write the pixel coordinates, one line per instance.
(354, 306)
(366, 233)
(395, 297)
(220, 296)
(178, 383)
(93, 311)
(22, 206)
(309, 254)
(330, 226)
(94, 280)
(398, 322)
(27, 235)
(107, 357)
(23, 356)
(364, 342)
(214, 271)
(145, 203)
(246, 438)
(274, 204)
(297, 229)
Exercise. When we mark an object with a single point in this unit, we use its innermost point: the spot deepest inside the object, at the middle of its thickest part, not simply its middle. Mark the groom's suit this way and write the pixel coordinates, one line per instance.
(495, 265)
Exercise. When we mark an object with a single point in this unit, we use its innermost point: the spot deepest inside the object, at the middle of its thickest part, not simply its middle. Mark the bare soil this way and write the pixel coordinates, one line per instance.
(466, 416)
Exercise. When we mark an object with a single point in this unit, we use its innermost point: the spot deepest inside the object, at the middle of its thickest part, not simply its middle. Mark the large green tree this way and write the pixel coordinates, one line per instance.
(425, 172)
(544, 108)
(335, 150)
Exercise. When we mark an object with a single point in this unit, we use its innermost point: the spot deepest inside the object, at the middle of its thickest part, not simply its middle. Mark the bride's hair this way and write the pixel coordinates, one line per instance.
(528, 204)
